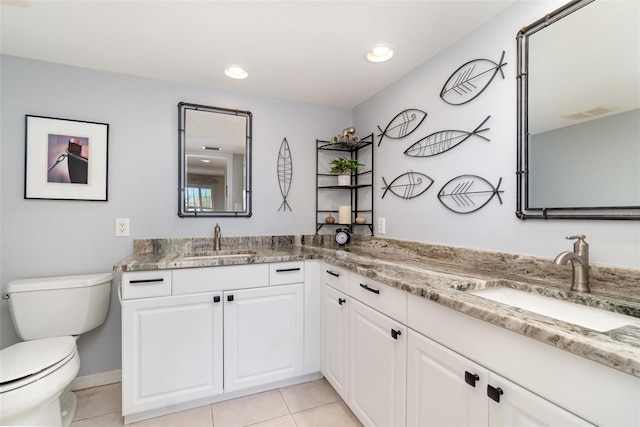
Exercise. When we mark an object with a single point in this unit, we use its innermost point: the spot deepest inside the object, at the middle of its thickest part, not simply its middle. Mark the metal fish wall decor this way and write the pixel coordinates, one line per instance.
(285, 173)
(444, 140)
(470, 80)
(406, 185)
(403, 124)
(468, 193)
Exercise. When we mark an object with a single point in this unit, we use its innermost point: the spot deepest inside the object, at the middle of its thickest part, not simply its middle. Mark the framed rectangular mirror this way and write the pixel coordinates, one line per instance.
(215, 161)
(579, 113)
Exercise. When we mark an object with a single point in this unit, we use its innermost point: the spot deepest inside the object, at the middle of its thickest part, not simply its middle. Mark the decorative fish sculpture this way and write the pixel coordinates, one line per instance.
(403, 124)
(444, 140)
(285, 173)
(468, 193)
(470, 80)
(406, 185)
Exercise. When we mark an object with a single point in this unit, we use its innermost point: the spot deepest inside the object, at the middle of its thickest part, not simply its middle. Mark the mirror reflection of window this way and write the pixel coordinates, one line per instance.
(199, 199)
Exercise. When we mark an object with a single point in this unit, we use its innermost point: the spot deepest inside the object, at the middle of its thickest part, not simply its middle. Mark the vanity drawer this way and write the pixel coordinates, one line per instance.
(336, 277)
(146, 284)
(223, 278)
(284, 273)
(384, 298)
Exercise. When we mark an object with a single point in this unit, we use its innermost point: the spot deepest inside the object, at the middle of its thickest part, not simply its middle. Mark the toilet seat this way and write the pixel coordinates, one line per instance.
(28, 361)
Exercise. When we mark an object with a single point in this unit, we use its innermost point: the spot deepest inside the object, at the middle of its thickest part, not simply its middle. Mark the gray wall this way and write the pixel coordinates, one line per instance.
(49, 238)
(494, 227)
(607, 148)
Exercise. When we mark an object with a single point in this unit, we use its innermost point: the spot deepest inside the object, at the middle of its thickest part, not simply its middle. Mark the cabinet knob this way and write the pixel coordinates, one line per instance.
(494, 393)
(395, 334)
(470, 378)
(216, 299)
(341, 301)
(229, 298)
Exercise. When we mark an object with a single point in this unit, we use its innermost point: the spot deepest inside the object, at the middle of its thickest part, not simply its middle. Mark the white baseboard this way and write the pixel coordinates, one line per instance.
(95, 380)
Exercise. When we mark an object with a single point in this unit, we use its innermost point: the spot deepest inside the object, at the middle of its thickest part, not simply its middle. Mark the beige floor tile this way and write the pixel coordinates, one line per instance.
(99, 401)
(113, 419)
(249, 410)
(286, 421)
(334, 415)
(197, 417)
(309, 395)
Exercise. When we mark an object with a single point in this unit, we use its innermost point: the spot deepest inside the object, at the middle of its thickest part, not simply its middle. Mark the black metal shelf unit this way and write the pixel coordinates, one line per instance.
(358, 194)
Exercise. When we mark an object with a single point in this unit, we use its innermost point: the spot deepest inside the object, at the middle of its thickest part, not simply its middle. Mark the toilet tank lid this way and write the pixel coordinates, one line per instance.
(61, 282)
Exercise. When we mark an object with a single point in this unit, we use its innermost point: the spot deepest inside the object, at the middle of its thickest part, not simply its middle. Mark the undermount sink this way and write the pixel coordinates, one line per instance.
(194, 256)
(581, 315)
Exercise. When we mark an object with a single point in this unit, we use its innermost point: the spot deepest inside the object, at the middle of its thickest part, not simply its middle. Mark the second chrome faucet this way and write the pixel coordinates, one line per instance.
(579, 260)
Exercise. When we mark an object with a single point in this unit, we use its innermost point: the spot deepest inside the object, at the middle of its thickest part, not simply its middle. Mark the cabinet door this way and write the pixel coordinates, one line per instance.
(335, 339)
(377, 367)
(263, 335)
(519, 407)
(443, 388)
(171, 350)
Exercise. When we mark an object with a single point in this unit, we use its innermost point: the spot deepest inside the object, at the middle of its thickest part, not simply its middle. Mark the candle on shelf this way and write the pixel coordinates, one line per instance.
(344, 214)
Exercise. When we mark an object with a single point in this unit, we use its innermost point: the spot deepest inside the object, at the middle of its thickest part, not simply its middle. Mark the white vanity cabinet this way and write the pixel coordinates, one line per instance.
(335, 328)
(445, 388)
(172, 350)
(263, 335)
(377, 366)
(541, 384)
(189, 335)
(364, 345)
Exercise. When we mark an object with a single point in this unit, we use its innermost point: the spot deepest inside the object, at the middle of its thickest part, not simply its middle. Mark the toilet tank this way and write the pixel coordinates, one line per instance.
(57, 306)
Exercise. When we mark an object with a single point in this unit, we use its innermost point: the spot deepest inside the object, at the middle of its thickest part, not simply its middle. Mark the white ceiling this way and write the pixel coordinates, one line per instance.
(306, 51)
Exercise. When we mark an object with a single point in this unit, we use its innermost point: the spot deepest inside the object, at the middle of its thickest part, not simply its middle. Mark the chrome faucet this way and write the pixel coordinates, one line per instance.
(216, 238)
(579, 260)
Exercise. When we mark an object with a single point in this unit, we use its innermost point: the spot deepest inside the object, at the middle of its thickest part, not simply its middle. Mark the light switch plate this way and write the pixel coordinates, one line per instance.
(381, 226)
(122, 226)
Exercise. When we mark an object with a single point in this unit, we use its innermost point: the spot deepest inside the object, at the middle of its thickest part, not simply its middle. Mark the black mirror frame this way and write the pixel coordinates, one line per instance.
(522, 187)
(183, 107)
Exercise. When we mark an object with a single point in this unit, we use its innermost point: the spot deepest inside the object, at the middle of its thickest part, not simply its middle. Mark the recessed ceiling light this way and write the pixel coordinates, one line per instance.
(236, 72)
(380, 53)
(205, 161)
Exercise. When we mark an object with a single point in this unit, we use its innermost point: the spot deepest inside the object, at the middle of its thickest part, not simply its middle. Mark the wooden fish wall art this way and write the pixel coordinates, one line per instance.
(468, 193)
(470, 80)
(444, 140)
(403, 124)
(407, 185)
(285, 173)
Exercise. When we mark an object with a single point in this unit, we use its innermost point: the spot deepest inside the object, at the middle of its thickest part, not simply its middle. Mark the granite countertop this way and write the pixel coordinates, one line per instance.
(442, 274)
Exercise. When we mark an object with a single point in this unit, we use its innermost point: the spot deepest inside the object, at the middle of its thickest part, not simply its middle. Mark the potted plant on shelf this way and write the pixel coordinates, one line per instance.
(344, 168)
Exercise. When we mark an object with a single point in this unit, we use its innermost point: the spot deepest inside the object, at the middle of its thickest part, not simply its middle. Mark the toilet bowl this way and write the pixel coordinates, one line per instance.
(36, 374)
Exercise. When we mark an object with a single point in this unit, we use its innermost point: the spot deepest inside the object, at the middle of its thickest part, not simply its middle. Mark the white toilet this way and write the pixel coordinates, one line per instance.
(48, 314)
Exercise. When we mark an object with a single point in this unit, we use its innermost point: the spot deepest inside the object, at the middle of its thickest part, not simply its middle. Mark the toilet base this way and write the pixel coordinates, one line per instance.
(68, 406)
(46, 415)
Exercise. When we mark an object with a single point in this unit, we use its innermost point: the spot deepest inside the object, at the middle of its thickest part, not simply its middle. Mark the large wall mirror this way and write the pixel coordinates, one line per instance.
(215, 161)
(579, 113)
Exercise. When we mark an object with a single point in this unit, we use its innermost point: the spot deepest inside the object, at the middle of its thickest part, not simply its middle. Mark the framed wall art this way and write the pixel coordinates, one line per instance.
(66, 159)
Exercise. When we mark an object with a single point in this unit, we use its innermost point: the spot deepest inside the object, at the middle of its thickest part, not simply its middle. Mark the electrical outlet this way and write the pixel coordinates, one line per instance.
(381, 226)
(122, 226)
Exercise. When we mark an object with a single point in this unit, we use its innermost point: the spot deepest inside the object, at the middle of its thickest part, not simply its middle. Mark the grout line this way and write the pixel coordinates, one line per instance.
(285, 401)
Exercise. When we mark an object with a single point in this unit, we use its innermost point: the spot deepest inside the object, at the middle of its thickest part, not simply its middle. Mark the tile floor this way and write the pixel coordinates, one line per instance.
(310, 404)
